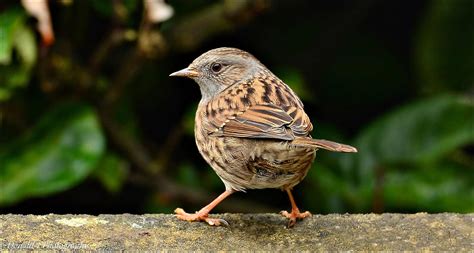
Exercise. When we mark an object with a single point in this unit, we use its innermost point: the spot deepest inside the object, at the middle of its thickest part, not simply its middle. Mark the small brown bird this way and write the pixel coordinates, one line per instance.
(251, 128)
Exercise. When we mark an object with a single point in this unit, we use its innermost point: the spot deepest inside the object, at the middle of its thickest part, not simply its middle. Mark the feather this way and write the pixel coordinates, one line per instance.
(263, 121)
(324, 144)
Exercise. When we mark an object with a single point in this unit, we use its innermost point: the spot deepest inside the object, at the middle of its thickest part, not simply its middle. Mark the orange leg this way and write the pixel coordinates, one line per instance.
(295, 212)
(202, 215)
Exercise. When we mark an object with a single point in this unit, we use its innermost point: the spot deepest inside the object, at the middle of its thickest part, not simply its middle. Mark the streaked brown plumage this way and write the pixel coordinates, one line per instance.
(251, 128)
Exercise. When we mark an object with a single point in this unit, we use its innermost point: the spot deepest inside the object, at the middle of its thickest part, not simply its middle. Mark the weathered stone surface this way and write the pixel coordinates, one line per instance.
(436, 232)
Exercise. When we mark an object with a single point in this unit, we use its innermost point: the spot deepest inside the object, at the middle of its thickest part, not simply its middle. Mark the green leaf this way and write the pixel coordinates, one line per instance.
(58, 153)
(445, 188)
(16, 36)
(445, 51)
(25, 45)
(9, 21)
(111, 172)
(418, 134)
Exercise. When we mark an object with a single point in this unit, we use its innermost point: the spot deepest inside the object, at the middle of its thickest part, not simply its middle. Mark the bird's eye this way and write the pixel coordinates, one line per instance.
(216, 67)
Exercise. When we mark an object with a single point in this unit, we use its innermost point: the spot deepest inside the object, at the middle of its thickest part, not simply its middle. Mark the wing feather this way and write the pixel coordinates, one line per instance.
(266, 121)
(263, 108)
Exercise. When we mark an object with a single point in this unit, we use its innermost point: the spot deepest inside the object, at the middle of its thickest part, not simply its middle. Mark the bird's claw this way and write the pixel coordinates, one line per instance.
(294, 216)
(216, 222)
(182, 215)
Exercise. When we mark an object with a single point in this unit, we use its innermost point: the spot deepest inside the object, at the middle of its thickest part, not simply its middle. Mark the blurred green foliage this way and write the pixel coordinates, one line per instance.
(410, 152)
(58, 153)
(18, 51)
(111, 172)
(96, 114)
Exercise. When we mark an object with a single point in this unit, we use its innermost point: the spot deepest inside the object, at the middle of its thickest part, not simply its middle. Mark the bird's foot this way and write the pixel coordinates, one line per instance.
(198, 216)
(294, 216)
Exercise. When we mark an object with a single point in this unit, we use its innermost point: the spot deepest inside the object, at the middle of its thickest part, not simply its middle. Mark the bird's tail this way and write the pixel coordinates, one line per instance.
(324, 144)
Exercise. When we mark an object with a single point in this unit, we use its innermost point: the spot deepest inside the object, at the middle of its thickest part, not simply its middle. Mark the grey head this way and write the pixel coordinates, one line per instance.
(220, 68)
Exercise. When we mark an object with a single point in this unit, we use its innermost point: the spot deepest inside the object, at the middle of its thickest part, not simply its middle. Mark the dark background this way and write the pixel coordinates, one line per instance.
(93, 124)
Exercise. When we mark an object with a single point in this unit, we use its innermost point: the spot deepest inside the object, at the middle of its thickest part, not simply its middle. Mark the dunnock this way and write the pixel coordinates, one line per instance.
(251, 128)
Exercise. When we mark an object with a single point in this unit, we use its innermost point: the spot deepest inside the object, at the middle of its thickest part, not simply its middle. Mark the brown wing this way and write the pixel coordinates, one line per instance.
(267, 121)
(262, 108)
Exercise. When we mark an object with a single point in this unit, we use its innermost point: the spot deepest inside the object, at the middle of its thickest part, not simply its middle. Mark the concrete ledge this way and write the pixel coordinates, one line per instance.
(432, 232)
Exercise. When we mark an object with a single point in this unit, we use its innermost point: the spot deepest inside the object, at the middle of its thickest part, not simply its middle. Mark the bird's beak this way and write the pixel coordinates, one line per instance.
(187, 72)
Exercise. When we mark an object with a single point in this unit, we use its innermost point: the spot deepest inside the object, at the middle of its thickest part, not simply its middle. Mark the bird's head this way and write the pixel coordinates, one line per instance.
(220, 68)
